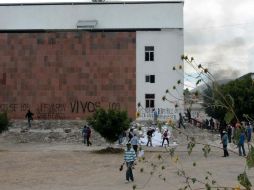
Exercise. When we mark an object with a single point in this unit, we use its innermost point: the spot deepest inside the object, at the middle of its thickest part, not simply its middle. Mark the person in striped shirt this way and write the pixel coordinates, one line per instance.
(129, 158)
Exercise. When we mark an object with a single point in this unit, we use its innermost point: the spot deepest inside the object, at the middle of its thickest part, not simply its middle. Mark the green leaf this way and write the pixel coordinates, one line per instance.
(199, 80)
(193, 180)
(206, 150)
(190, 147)
(172, 152)
(228, 117)
(250, 158)
(244, 180)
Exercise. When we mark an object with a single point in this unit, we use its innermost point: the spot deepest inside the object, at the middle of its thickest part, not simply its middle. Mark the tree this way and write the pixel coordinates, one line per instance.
(239, 93)
(110, 124)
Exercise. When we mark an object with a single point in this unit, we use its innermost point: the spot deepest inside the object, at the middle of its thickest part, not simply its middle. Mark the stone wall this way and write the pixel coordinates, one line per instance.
(67, 75)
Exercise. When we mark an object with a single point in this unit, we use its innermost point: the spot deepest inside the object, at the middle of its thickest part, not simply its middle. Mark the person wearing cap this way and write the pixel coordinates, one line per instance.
(224, 142)
(129, 158)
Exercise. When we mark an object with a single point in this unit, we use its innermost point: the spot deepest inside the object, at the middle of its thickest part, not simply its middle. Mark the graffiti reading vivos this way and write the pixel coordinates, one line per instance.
(57, 110)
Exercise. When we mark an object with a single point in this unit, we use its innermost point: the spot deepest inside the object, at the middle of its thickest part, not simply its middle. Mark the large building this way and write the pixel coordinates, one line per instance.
(64, 60)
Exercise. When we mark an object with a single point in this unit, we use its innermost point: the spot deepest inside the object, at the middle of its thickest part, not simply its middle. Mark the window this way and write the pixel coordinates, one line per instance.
(149, 53)
(149, 100)
(150, 78)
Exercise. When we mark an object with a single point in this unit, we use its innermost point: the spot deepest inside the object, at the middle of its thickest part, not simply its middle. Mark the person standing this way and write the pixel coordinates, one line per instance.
(165, 137)
(224, 141)
(134, 143)
(149, 136)
(249, 132)
(129, 158)
(211, 124)
(84, 134)
(88, 135)
(229, 130)
(155, 116)
(189, 115)
(29, 116)
(241, 144)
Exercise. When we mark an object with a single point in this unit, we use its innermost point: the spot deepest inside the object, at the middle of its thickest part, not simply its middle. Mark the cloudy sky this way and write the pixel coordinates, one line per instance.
(218, 34)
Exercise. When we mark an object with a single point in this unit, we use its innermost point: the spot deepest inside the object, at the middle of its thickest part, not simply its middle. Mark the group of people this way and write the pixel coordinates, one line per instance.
(239, 134)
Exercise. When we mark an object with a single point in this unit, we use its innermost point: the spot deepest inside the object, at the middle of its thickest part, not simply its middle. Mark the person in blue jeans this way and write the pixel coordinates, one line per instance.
(225, 143)
(241, 144)
(248, 133)
(129, 158)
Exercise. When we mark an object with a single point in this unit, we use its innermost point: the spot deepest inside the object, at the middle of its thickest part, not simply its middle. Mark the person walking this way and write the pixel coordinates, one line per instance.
(84, 134)
(149, 136)
(241, 144)
(224, 142)
(165, 137)
(181, 121)
(131, 134)
(129, 158)
(134, 143)
(29, 116)
(88, 135)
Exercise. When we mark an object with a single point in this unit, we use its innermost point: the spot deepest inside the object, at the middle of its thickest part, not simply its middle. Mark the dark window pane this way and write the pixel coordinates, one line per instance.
(151, 103)
(147, 103)
(149, 48)
(146, 56)
(151, 56)
(152, 78)
(147, 78)
(149, 96)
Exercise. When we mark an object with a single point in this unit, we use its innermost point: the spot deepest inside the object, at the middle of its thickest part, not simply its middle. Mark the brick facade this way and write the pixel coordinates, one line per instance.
(66, 75)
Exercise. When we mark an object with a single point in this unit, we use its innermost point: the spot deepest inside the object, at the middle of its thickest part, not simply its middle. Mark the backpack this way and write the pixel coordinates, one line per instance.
(165, 134)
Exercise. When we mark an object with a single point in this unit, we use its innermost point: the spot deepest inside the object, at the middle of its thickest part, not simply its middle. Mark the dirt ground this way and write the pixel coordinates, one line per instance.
(62, 166)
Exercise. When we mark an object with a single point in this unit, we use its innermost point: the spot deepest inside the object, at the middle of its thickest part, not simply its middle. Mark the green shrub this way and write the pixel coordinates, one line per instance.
(110, 124)
(4, 121)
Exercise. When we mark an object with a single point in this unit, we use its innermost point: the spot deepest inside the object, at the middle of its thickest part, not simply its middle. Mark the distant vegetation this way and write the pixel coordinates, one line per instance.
(239, 93)
(109, 123)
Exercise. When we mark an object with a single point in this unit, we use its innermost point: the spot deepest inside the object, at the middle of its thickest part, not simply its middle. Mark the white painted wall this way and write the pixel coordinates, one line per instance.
(169, 47)
(109, 16)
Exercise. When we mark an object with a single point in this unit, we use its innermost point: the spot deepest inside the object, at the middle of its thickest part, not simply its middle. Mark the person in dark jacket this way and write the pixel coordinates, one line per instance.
(88, 135)
(29, 116)
(181, 121)
(224, 141)
(149, 136)
(229, 130)
(84, 134)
